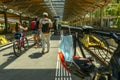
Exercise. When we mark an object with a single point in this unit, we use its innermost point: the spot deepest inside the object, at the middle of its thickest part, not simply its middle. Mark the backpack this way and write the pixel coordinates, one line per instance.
(36, 25)
(32, 25)
(45, 28)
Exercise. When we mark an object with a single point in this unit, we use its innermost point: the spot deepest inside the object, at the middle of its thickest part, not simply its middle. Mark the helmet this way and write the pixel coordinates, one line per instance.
(45, 14)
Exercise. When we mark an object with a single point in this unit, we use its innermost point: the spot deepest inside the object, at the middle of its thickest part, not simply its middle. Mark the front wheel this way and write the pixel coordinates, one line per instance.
(17, 48)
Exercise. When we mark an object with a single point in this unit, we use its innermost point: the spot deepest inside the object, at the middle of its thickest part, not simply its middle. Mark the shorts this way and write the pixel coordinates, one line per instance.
(35, 32)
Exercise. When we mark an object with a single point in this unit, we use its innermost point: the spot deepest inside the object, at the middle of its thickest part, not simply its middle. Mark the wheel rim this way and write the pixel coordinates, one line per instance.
(17, 49)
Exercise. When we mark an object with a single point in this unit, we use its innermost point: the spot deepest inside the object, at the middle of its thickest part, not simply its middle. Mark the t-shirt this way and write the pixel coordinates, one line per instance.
(45, 24)
(21, 29)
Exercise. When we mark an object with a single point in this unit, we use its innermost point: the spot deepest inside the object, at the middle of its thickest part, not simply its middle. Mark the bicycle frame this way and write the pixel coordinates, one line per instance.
(86, 41)
(21, 41)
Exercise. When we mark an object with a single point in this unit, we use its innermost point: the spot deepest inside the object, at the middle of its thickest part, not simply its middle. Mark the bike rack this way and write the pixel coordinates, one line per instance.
(114, 60)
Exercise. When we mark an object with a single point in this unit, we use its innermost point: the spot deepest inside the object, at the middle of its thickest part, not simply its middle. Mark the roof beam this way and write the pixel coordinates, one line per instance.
(5, 1)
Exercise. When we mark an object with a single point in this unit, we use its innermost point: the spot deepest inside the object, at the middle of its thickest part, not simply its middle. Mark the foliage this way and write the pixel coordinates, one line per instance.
(112, 12)
(113, 9)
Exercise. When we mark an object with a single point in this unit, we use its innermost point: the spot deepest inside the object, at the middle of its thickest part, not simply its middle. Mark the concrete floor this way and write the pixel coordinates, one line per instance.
(33, 65)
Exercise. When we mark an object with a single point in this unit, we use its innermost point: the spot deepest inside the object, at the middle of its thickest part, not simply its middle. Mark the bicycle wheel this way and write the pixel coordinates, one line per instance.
(100, 77)
(26, 45)
(103, 52)
(17, 49)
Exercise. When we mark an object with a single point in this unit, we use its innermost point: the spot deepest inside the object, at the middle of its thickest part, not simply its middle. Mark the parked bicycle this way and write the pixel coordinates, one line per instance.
(114, 64)
(109, 68)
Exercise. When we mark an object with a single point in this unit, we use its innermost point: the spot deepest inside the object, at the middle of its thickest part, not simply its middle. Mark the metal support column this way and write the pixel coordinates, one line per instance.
(91, 19)
(84, 22)
(101, 16)
(6, 20)
(20, 18)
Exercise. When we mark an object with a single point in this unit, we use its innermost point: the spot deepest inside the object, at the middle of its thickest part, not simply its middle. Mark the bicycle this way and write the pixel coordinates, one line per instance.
(113, 71)
(114, 65)
(19, 43)
(91, 42)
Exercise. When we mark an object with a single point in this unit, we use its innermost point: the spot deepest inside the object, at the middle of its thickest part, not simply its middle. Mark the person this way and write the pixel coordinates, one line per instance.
(19, 28)
(35, 30)
(55, 26)
(45, 25)
(19, 31)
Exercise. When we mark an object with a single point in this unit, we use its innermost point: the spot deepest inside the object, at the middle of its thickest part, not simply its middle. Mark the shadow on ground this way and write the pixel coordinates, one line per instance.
(27, 74)
(36, 74)
(35, 55)
(9, 60)
(11, 57)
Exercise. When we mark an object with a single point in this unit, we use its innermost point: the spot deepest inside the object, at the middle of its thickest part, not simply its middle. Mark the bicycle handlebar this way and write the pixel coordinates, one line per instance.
(88, 29)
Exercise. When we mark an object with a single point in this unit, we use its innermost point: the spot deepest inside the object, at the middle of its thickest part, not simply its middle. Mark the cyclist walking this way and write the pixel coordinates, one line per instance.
(35, 30)
(19, 27)
(19, 31)
(45, 25)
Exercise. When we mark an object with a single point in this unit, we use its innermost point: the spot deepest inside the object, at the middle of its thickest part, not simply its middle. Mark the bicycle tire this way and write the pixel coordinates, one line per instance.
(17, 49)
(105, 53)
(92, 49)
(101, 77)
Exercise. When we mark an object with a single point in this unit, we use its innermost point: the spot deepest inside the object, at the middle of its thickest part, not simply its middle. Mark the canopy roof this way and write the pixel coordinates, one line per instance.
(67, 9)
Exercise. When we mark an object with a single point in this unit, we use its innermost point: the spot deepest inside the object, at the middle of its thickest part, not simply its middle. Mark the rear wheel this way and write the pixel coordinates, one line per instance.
(26, 45)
